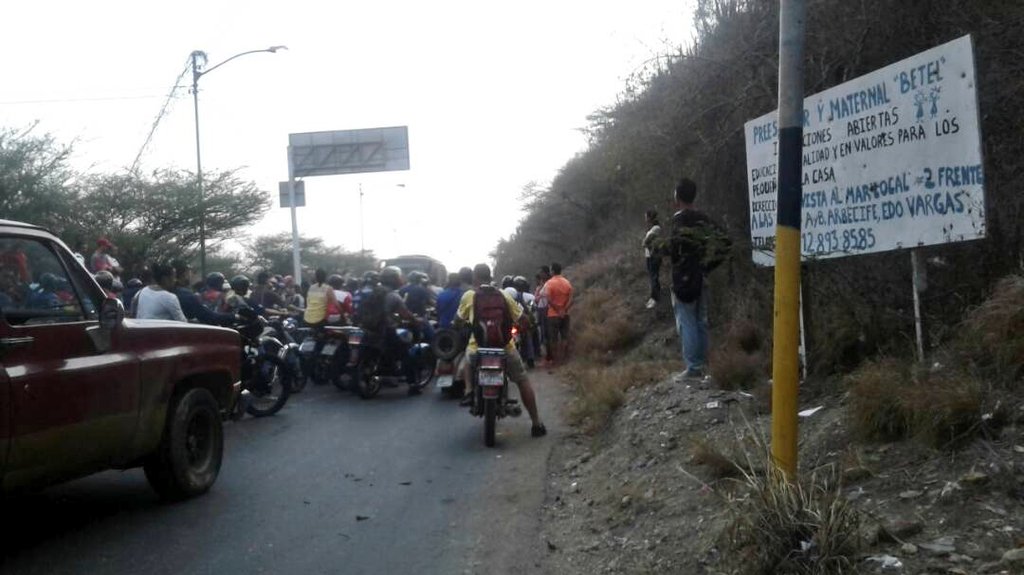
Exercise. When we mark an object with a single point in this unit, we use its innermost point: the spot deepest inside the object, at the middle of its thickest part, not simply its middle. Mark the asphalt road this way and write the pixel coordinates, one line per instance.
(331, 484)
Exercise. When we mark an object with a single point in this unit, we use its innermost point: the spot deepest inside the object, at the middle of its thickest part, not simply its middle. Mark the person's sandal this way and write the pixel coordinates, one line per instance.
(539, 430)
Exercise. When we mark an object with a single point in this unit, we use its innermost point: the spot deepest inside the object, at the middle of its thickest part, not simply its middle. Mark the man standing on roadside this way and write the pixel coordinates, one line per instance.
(696, 246)
(653, 257)
(558, 292)
(541, 302)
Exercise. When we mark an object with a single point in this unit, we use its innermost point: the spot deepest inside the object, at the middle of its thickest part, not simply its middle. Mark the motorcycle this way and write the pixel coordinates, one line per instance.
(338, 356)
(490, 392)
(373, 364)
(287, 331)
(266, 378)
(449, 346)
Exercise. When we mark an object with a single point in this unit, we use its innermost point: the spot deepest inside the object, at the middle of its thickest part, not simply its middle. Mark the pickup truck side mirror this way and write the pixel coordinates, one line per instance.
(111, 317)
(111, 314)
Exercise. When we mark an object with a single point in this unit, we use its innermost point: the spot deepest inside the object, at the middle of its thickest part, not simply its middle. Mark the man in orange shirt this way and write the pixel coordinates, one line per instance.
(558, 292)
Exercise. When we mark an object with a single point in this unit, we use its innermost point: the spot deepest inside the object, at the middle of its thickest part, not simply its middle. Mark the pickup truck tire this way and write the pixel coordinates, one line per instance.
(188, 459)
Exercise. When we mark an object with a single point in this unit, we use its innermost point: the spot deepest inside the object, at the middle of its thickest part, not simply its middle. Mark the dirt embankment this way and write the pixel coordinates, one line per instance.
(657, 491)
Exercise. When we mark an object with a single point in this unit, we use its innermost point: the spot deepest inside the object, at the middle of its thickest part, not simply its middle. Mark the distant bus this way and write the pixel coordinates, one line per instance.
(434, 269)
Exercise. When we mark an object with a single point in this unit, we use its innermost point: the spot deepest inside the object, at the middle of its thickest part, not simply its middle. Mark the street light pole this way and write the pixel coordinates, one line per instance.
(199, 162)
(196, 74)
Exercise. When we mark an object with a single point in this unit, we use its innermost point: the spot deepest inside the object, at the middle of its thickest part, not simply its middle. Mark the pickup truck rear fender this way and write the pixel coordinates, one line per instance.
(212, 361)
(151, 426)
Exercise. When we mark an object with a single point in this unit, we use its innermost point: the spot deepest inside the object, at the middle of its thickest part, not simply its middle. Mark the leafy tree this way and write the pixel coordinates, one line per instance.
(274, 253)
(34, 173)
(158, 216)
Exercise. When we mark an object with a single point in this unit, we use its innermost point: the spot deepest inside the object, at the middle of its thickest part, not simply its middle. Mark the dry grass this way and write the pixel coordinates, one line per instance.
(991, 338)
(799, 527)
(762, 393)
(876, 407)
(602, 390)
(603, 326)
(739, 362)
(735, 369)
(891, 400)
(720, 466)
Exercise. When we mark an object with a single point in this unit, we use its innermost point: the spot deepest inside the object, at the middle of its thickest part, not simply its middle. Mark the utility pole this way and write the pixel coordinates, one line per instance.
(786, 330)
(362, 241)
(199, 162)
(296, 257)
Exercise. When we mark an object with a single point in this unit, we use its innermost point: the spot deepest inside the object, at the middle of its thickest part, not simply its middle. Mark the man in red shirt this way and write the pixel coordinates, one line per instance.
(558, 292)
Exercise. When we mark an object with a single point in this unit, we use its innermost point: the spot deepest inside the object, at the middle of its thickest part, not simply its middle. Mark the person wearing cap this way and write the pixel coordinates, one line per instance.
(103, 258)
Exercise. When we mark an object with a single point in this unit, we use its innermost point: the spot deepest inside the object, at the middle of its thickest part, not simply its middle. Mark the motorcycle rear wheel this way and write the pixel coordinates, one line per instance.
(269, 397)
(490, 420)
(368, 385)
(426, 363)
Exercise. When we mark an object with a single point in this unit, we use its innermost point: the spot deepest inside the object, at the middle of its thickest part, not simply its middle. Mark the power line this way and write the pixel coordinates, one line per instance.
(160, 115)
(73, 100)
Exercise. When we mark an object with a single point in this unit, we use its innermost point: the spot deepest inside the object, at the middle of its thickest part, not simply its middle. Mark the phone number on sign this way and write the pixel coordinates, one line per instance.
(850, 240)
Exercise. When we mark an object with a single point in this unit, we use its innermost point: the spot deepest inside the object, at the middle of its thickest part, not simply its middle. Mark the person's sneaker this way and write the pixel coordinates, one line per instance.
(650, 304)
(692, 373)
(538, 430)
(466, 401)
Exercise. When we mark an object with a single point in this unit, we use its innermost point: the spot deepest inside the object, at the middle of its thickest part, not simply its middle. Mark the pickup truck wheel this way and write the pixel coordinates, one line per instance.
(188, 459)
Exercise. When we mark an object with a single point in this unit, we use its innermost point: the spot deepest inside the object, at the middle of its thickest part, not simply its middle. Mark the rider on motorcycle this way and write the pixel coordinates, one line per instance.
(212, 294)
(418, 298)
(191, 304)
(370, 279)
(528, 323)
(513, 362)
(343, 309)
(379, 313)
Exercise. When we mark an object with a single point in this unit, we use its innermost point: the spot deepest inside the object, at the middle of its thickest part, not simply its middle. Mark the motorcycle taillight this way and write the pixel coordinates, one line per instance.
(355, 339)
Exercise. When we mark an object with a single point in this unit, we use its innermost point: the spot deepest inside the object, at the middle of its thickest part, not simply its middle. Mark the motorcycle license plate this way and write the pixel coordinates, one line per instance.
(329, 349)
(355, 339)
(307, 346)
(444, 381)
(491, 379)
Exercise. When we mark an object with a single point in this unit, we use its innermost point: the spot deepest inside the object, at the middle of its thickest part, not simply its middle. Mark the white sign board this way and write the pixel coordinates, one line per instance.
(890, 160)
(285, 194)
(349, 151)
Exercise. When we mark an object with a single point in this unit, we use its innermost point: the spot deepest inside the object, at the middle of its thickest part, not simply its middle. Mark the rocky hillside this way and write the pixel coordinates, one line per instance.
(663, 489)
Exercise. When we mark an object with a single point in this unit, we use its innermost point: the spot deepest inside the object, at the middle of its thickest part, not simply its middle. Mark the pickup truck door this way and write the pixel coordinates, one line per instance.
(75, 408)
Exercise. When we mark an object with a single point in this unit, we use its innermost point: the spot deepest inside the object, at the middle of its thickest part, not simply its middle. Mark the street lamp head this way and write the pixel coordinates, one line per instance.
(274, 49)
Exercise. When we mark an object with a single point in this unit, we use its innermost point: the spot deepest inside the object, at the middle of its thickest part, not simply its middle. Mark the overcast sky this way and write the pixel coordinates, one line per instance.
(494, 95)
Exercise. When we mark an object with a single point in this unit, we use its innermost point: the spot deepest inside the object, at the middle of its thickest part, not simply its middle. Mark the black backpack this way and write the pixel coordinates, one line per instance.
(492, 322)
(372, 315)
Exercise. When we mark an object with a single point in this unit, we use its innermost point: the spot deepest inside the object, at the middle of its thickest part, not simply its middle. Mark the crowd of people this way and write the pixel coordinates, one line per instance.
(376, 301)
(540, 311)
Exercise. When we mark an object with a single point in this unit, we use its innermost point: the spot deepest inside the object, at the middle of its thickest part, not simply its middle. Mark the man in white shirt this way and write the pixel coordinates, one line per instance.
(651, 252)
(158, 300)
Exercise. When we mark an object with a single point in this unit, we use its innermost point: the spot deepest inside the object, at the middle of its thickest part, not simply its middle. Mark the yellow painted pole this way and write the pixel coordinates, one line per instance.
(786, 330)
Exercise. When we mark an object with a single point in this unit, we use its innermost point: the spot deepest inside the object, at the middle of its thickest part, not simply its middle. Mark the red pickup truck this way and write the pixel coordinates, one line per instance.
(82, 389)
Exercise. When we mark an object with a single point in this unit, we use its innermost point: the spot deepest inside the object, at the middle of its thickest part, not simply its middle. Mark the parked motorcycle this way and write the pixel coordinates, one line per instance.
(287, 331)
(490, 394)
(372, 364)
(266, 378)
